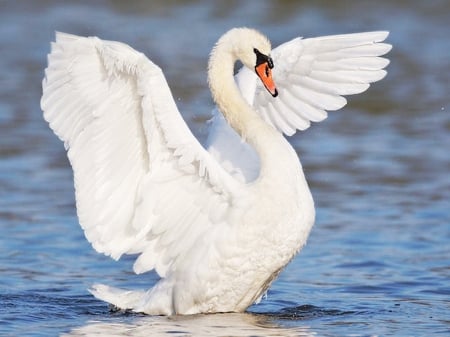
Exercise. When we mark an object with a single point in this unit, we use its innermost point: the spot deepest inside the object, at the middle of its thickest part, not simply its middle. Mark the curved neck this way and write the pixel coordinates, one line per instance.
(238, 113)
(267, 142)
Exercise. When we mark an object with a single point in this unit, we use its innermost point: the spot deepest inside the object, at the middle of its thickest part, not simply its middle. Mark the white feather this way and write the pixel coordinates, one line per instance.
(97, 95)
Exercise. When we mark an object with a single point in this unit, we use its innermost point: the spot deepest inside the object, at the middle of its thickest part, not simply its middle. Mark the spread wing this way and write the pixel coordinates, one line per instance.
(312, 76)
(144, 185)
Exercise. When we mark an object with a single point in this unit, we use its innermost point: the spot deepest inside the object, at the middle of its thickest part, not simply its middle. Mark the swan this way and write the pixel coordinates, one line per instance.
(216, 222)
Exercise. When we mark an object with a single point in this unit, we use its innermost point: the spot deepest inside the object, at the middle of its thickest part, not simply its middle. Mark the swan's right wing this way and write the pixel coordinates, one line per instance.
(144, 185)
(312, 76)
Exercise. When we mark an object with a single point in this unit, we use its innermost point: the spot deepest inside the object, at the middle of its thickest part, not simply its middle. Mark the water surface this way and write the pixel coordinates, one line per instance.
(378, 260)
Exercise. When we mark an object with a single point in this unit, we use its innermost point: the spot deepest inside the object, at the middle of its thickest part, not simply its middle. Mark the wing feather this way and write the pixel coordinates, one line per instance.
(313, 74)
(144, 184)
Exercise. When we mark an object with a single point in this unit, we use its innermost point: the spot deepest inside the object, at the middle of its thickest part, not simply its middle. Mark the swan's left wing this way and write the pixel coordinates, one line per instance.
(144, 185)
(312, 76)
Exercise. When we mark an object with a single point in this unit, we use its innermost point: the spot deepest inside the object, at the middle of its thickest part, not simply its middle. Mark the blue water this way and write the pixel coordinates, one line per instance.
(378, 260)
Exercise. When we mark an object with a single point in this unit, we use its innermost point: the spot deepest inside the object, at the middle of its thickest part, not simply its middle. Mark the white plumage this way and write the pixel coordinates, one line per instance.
(216, 225)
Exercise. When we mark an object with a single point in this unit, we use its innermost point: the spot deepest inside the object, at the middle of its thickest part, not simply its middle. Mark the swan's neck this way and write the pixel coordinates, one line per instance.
(238, 113)
(226, 93)
(270, 145)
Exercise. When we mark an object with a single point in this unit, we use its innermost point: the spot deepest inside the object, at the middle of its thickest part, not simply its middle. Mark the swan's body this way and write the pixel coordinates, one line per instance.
(216, 225)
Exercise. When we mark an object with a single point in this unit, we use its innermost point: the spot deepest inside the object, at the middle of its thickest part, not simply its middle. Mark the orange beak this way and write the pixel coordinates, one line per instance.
(265, 74)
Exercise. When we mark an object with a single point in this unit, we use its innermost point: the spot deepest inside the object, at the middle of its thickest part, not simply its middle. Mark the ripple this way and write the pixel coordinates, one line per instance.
(306, 312)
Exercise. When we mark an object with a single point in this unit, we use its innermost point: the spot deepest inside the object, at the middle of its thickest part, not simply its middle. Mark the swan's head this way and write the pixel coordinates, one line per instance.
(253, 49)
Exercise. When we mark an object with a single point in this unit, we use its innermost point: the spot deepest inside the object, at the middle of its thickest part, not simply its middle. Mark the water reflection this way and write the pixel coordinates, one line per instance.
(197, 325)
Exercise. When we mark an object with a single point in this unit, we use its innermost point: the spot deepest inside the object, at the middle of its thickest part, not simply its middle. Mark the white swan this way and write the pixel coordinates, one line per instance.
(217, 226)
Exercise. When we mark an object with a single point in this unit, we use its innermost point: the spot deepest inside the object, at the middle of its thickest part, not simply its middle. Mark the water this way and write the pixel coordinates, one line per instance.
(378, 260)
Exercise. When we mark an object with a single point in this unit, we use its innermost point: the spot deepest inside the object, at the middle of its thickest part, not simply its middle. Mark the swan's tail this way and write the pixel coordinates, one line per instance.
(120, 298)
